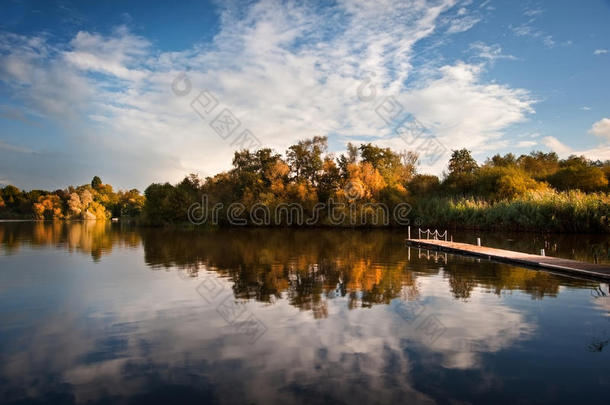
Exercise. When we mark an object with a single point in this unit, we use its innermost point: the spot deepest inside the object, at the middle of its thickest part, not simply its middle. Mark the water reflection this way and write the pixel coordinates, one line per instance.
(91, 237)
(306, 267)
(123, 322)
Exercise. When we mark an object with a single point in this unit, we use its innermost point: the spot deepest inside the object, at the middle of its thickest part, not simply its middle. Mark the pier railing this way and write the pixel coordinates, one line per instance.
(428, 234)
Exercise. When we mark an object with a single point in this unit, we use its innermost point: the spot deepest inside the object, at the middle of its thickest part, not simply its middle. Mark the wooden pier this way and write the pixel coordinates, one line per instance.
(552, 264)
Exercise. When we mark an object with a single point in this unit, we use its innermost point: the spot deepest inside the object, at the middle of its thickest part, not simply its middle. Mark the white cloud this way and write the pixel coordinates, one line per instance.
(528, 30)
(601, 128)
(524, 30)
(489, 52)
(585, 108)
(273, 67)
(526, 144)
(600, 51)
(548, 41)
(465, 112)
(600, 152)
(462, 24)
(532, 12)
(557, 146)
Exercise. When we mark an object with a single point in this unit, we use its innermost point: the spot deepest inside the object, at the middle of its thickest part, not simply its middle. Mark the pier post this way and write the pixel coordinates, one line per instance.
(478, 241)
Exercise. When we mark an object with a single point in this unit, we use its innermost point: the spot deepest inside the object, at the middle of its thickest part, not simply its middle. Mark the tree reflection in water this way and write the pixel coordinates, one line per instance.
(304, 266)
(122, 316)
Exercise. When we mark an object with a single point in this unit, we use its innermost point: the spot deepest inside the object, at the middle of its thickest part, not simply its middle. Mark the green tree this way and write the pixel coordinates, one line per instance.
(462, 172)
(584, 178)
(130, 204)
(502, 161)
(330, 179)
(159, 208)
(96, 182)
(424, 184)
(345, 160)
(305, 158)
(462, 162)
(538, 164)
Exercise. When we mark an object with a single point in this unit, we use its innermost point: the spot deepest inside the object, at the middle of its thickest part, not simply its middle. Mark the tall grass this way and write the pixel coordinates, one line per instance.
(551, 211)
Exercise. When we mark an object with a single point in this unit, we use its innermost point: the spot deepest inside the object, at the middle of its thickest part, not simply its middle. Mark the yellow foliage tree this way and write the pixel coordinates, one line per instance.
(48, 207)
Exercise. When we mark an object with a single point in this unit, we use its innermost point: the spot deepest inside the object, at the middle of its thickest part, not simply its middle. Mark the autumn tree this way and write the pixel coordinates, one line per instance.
(576, 172)
(305, 159)
(498, 160)
(538, 164)
(462, 163)
(48, 207)
(424, 184)
(330, 179)
(462, 171)
(350, 158)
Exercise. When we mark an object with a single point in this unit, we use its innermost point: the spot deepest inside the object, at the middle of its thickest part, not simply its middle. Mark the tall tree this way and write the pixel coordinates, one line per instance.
(96, 182)
(462, 162)
(305, 158)
(462, 170)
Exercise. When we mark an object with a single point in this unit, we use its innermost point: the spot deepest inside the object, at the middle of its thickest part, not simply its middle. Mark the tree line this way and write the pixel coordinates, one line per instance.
(94, 201)
(504, 191)
(522, 192)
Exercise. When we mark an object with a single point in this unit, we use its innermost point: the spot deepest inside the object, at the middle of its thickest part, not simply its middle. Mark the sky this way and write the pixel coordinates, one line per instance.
(142, 92)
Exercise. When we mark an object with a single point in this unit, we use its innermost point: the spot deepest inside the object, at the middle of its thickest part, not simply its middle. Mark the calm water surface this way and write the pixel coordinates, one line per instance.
(99, 313)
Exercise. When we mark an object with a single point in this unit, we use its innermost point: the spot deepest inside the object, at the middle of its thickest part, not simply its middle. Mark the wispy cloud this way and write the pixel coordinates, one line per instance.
(462, 24)
(117, 56)
(528, 30)
(281, 74)
(600, 51)
(526, 144)
(532, 12)
(489, 52)
(13, 148)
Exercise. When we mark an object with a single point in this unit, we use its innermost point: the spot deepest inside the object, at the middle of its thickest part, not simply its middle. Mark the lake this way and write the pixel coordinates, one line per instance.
(107, 313)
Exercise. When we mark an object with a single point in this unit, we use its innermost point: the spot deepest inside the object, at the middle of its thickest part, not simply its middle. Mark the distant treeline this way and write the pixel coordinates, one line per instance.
(537, 191)
(95, 201)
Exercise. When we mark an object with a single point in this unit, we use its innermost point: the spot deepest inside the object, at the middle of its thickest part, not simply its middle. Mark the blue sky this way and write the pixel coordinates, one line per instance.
(86, 87)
